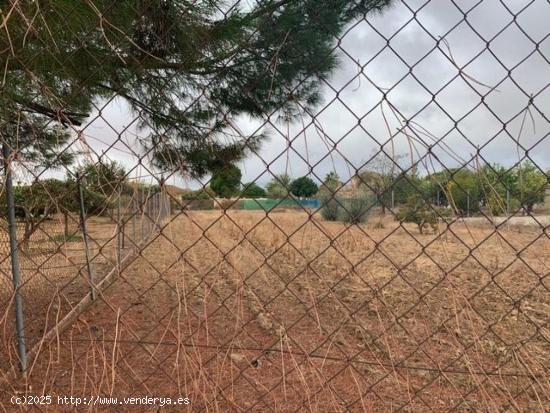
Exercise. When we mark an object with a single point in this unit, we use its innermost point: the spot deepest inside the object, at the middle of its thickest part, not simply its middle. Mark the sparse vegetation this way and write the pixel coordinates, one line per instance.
(356, 210)
(330, 208)
(351, 210)
(421, 213)
(279, 186)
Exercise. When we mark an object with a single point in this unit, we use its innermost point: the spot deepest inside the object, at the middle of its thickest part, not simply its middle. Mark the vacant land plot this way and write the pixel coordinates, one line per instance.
(54, 274)
(286, 312)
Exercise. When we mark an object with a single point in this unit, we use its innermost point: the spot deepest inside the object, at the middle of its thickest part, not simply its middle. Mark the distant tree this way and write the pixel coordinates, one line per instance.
(303, 187)
(407, 184)
(226, 182)
(63, 195)
(279, 187)
(377, 184)
(103, 177)
(460, 188)
(530, 185)
(498, 184)
(435, 187)
(36, 203)
(419, 212)
(253, 190)
(332, 180)
(330, 184)
(378, 177)
(464, 191)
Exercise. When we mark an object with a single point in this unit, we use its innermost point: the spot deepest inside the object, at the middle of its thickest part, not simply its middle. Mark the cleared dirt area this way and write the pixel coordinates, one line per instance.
(243, 311)
(539, 221)
(54, 275)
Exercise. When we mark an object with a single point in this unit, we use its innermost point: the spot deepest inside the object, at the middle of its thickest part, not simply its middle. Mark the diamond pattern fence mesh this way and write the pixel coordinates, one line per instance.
(275, 206)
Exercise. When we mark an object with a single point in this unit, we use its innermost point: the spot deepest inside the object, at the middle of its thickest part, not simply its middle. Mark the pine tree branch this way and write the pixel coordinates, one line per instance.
(64, 117)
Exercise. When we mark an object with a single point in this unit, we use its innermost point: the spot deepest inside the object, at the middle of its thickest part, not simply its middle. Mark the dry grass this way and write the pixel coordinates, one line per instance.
(243, 312)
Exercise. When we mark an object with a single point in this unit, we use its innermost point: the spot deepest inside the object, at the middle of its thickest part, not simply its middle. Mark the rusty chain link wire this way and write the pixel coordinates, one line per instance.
(275, 206)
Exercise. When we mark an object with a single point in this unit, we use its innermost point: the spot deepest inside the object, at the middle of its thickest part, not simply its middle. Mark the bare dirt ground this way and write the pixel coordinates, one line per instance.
(539, 221)
(240, 311)
(54, 275)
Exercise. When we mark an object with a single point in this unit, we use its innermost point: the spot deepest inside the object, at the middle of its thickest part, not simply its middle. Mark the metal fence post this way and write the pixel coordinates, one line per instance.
(120, 233)
(85, 236)
(16, 275)
(142, 215)
(134, 217)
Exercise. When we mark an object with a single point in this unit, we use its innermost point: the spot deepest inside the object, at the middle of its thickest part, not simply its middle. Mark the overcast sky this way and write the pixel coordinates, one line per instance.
(359, 120)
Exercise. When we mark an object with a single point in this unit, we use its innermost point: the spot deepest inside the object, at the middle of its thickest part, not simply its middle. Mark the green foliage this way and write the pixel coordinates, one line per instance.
(330, 185)
(464, 191)
(303, 187)
(43, 198)
(37, 202)
(226, 182)
(34, 141)
(356, 210)
(530, 185)
(351, 210)
(253, 190)
(497, 184)
(418, 211)
(201, 199)
(279, 187)
(104, 178)
(96, 203)
(406, 185)
(173, 63)
(379, 177)
(330, 208)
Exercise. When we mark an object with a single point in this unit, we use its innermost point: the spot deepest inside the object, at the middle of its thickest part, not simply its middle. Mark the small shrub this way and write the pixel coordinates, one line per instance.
(418, 211)
(355, 210)
(330, 208)
(352, 211)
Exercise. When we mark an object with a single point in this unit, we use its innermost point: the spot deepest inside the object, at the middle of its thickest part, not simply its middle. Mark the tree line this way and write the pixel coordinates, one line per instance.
(493, 187)
(102, 185)
(226, 183)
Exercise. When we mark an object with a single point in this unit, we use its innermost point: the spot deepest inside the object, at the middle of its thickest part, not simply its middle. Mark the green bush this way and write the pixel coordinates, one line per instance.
(330, 208)
(355, 210)
(424, 215)
(350, 210)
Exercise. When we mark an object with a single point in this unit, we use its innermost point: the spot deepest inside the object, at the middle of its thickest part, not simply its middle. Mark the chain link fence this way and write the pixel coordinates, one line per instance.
(62, 257)
(275, 206)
